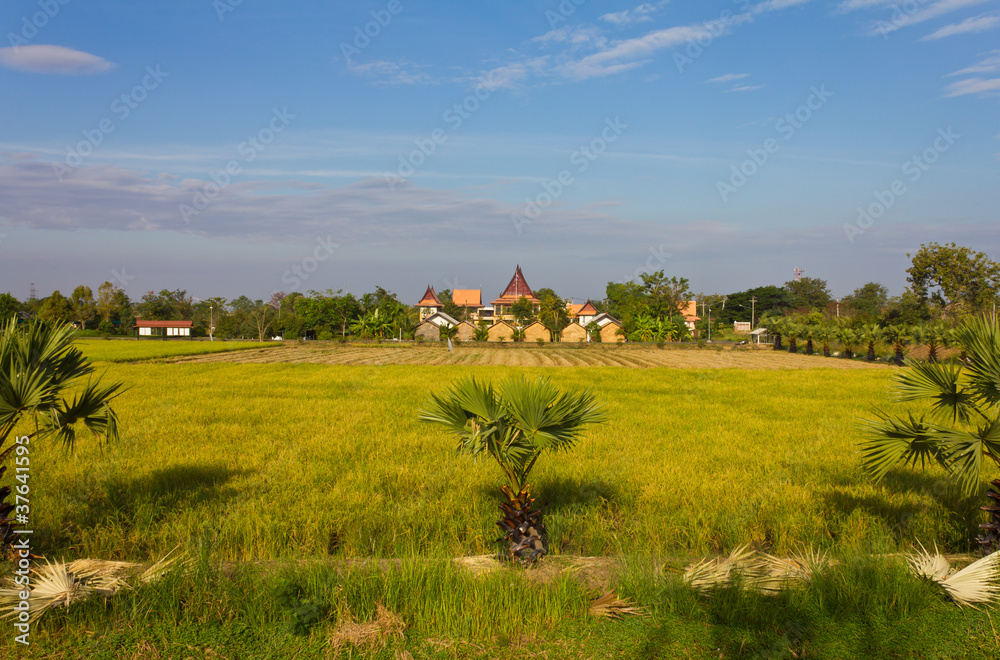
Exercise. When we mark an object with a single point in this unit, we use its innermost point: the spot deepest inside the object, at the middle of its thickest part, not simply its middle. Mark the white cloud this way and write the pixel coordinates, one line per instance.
(973, 86)
(385, 72)
(729, 77)
(989, 64)
(975, 24)
(52, 59)
(901, 18)
(745, 88)
(640, 14)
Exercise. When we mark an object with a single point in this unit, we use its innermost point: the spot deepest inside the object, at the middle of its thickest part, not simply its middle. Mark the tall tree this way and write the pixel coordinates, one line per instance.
(958, 279)
(9, 307)
(523, 311)
(56, 309)
(665, 296)
(810, 292)
(868, 300)
(552, 311)
(83, 305)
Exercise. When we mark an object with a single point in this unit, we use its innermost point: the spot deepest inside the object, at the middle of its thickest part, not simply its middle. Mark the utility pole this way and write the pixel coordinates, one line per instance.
(753, 311)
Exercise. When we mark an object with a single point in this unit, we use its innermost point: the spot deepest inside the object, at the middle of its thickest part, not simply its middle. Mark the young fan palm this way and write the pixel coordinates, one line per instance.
(447, 331)
(962, 426)
(849, 339)
(38, 365)
(871, 335)
(826, 333)
(482, 332)
(513, 424)
(900, 337)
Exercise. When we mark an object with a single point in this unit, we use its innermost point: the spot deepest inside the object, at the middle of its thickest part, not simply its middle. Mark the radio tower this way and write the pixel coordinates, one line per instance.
(799, 272)
(32, 295)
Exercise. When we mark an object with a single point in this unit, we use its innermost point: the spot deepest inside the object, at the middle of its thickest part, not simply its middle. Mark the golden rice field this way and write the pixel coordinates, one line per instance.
(282, 460)
(684, 356)
(130, 350)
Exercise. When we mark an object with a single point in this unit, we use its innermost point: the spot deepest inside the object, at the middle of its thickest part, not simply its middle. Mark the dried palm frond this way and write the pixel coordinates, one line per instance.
(162, 565)
(932, 567)
(976, 583)
(717, 572)
(369, 635)
(612, 607)
(52, 586)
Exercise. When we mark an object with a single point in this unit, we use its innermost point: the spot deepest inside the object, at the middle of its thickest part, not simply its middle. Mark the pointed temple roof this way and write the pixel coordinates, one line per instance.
(430, 299)
(517, 288)
(588, 310)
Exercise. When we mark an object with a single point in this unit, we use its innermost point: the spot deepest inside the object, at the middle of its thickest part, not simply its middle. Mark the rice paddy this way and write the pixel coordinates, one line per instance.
(300, 466)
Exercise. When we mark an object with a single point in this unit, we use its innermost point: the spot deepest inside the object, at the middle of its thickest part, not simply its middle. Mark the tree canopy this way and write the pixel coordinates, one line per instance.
(956, 278)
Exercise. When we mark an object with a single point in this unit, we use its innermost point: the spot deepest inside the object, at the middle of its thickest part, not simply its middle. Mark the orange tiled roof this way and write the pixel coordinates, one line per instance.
(467, 297)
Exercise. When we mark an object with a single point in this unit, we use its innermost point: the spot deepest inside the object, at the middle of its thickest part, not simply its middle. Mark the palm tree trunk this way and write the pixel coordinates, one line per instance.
(826, 349)
(871, 352)
(792, 348)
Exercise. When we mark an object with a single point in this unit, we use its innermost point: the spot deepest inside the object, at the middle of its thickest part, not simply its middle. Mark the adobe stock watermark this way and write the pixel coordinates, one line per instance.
(454, 117)
(300, 272)
(562, 13)
(122, 278)
(912, 169)
(249, 149)
(787, 127)
(364, 36)
(38, 20)
(656, 260)
(713, 29)
(122, 107)
(902, 14)
(553, 189)
(223, 7)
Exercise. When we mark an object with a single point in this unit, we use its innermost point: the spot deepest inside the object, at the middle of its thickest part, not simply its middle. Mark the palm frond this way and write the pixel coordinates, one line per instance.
(977, 583)
(980, 337)
(939, 382)
(966, 450)
(610, 606)
(893, 440)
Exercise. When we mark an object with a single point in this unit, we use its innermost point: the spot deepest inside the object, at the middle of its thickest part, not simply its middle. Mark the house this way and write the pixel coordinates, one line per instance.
(466, 331)
(689, 310)
(469, 299)
(164, 329)
(500, 329)
(429, 328)
(430, 304)
(583, 314)
(536, 331)
(517, 288)
(609, 332)
(574, 332)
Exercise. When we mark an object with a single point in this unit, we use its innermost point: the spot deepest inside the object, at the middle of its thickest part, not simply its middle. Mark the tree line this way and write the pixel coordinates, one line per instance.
(945, 282)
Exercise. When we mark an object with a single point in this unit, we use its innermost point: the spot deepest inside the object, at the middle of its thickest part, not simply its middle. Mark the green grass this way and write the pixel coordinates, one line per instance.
(133, 350)
(861, 607)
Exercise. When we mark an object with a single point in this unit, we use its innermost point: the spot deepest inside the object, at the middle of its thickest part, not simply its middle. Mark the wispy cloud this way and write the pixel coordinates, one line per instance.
(976, 84)
(975, 24)
(385, 72)
(901, 17)
(53, 59)
(640, 14)
(744, 88)
(729, 77)
(986, 86)
(988, 64)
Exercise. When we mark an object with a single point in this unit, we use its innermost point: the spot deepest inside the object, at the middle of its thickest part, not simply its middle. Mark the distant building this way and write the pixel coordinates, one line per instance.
(741, 326)
(583, 314)
(689, 310)
(164, 329)
(609, 332)
(430, 304)
(536, 331)
(500, 330)
(574, 332)
(429, 328)
(471, 300)
(517, 289)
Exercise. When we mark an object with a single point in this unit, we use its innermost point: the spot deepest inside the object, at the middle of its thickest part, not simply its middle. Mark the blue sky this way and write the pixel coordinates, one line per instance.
(400, 143)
